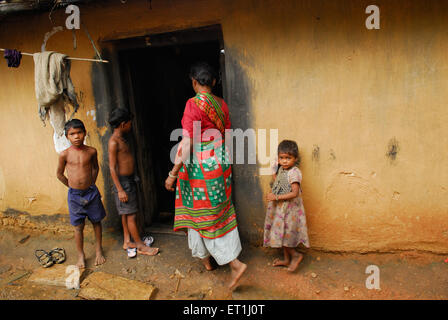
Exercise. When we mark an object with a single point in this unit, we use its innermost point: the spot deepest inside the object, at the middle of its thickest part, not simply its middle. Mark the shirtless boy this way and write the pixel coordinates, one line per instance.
(121, 165)
(84, 199)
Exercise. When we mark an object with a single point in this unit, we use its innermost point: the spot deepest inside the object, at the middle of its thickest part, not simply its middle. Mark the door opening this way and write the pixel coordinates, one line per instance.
(158, 86)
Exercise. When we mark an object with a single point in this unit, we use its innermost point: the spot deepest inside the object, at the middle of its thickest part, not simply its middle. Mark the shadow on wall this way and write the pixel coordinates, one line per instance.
(247, 194)
(103, 92)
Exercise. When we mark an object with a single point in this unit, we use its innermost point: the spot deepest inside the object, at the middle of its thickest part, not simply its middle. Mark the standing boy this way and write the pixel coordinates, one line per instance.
(84, 199)
(121, 165)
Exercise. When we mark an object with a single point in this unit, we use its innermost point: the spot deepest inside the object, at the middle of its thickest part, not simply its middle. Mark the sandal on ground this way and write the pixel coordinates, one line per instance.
(132, 252)
(44, 258)
(58, 255)
(148, 240)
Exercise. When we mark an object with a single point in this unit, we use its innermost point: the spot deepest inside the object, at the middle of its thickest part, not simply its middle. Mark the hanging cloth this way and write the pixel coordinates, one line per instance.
(53, 88)
(13, 57)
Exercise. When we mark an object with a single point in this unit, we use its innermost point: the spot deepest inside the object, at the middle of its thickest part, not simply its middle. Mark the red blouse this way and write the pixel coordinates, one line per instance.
(193, 113)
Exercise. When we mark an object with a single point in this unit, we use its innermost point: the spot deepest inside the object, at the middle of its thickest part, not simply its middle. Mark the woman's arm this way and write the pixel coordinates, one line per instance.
(185, 145)
(183, 153)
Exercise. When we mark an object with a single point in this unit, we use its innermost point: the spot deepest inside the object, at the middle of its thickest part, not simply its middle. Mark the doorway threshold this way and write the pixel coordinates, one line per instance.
(160, 228)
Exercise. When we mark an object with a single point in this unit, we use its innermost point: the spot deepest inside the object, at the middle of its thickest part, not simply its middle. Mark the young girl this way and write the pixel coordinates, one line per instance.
(285, 224)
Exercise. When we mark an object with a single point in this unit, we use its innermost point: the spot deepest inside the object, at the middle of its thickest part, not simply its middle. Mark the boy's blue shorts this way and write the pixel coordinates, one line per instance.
(85, 203)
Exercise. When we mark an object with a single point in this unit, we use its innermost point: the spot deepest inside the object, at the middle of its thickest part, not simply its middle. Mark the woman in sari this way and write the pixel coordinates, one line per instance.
(204, 178)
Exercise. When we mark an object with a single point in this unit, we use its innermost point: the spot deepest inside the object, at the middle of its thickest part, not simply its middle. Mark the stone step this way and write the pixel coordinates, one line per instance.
(104, 286)
(56, 275)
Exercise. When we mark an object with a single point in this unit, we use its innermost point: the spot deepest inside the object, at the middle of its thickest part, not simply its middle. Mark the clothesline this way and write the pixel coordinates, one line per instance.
(70, 58)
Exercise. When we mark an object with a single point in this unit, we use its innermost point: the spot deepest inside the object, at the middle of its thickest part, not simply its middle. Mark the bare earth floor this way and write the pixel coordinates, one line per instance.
(405, 275)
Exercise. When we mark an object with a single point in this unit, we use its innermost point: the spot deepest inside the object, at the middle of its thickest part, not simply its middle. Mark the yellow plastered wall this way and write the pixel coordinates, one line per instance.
(344, 93)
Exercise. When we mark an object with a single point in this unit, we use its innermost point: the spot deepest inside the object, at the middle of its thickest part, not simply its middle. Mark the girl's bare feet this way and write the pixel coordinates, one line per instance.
(286, 259)
(238, 269)
(278, 262)
(208, 264)
(295, 261)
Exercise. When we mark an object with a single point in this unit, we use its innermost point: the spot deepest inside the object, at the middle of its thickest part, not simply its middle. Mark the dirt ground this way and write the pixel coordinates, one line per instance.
(321, 275)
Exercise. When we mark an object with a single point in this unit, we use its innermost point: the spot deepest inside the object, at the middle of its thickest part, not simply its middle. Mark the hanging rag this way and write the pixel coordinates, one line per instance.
(53, 85)
(13, 57)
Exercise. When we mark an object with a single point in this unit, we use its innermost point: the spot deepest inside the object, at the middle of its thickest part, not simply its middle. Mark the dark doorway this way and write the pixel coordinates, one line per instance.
(158, 86)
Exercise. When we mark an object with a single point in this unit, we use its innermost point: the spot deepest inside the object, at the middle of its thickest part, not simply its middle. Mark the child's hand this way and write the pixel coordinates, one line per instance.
(271, 197)
(122, 196)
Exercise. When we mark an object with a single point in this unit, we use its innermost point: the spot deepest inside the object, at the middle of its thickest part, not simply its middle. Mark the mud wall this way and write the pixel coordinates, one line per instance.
(367, 108)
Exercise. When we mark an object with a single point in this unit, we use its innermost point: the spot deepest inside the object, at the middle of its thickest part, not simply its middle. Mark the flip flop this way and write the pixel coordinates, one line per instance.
(132, 252)
(44, 258)
(148, 240)
(147, 253)
(57, 255)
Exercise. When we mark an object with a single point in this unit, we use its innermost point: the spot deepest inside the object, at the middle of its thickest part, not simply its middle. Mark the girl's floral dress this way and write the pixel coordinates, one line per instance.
(285, 224)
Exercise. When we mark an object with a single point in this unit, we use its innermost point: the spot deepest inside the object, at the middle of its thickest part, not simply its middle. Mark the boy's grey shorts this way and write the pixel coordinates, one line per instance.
(130, 187)
(224, 249)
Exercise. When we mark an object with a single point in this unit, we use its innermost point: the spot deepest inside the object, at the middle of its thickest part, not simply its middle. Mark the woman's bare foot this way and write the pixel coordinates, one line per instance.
(127, 245)
(208, 264)
(238, 269)
(99, 258)
(148, 251)
(81, 262)
(278, 262)
(295, 261)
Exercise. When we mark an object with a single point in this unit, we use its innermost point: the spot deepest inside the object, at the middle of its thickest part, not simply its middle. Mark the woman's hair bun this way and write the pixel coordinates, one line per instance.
(203, 73)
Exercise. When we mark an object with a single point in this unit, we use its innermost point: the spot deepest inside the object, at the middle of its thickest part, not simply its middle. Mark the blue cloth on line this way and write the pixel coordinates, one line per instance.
(13, 57)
